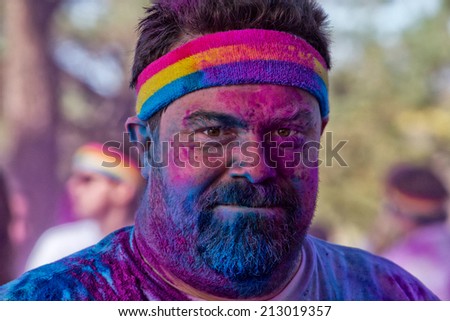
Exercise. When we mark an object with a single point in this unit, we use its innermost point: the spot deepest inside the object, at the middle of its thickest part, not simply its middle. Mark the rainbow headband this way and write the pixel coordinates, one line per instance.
(92, 157)
(251, 56)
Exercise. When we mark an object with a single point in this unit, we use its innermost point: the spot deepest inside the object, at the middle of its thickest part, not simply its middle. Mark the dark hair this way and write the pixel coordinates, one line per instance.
(5, 242)
(417, 181)
(168, 21)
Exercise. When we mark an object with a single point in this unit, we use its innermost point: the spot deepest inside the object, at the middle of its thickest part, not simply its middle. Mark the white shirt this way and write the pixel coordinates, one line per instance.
(62, 240)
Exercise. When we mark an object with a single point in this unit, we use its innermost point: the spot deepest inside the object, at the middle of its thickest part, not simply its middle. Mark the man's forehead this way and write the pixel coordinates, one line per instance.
(250, 102)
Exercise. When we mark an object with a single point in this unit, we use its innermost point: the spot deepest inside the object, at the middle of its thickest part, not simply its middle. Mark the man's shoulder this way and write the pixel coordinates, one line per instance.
(367, 276)
(45, 283)
(75, 277)
(328, 249)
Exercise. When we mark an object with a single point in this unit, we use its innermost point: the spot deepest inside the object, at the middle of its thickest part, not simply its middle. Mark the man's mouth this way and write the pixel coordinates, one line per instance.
(226, 210)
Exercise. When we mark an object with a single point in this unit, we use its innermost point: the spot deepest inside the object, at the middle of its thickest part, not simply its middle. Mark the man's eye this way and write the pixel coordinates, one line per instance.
(284, 132)
(84, 179)
(212, 132)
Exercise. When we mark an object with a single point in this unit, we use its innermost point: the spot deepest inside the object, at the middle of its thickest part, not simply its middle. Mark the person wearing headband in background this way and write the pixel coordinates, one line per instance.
(415, 211)
(103, 199)
(232, 99)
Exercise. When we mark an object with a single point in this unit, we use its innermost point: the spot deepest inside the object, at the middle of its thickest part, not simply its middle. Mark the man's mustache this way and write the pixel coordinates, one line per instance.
(246, 194)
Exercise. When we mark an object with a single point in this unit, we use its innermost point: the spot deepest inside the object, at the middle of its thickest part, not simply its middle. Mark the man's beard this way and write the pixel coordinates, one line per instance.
(248, 245)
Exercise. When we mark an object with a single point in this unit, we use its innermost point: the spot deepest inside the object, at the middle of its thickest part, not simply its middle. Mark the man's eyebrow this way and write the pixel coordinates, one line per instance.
(224, 119)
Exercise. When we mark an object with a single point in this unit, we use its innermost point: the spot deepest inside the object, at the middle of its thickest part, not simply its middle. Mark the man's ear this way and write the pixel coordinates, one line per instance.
(324, 124)
(137, 130)
(139, 135)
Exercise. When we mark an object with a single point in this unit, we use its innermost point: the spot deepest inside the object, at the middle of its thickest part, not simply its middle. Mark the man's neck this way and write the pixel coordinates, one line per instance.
(200, 295)
(205, 284)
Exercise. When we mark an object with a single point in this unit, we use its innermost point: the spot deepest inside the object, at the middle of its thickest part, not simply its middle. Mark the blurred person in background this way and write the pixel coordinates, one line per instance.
(15, 228)
(6, 247)
(414, 214)
(103, 197)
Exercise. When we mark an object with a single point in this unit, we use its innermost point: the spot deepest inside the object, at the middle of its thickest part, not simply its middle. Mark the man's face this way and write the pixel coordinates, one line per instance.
(239, 190)
(90, 194)
(403, 212)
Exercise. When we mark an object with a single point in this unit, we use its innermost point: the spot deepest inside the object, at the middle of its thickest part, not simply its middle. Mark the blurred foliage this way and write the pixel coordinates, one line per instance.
(86, 114)
(392, 105)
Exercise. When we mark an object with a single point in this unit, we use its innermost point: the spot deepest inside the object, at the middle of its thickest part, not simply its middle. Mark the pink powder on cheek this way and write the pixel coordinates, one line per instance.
(180, 171)
(301, 175)
(309, 188)
(193, 174)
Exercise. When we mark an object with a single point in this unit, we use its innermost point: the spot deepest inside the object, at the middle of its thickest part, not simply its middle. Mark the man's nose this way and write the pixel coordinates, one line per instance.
(250, 161)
